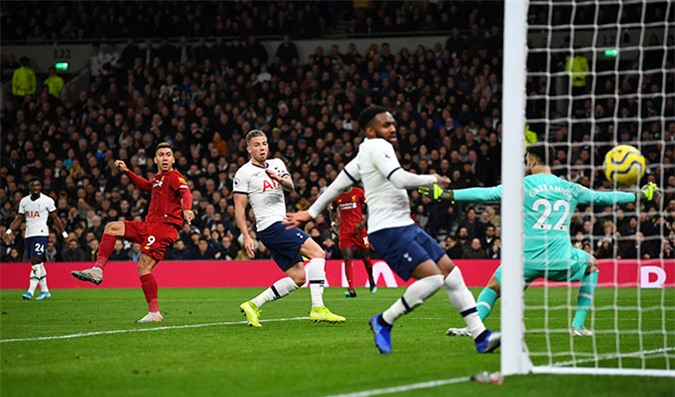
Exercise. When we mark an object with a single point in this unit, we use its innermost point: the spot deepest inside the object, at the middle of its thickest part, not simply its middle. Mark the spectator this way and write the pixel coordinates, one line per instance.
(228, 251)
(453, 248)
(204, 250)
(180, 251)
(495, 249)
(119, 252)
(476, 250)
(287, 51)
(51, 253)
(54, 83)
(73, 252)
(135, 252)
(23, 80)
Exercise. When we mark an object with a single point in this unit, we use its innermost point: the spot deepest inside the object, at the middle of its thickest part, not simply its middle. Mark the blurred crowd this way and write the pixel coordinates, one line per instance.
(203, 95)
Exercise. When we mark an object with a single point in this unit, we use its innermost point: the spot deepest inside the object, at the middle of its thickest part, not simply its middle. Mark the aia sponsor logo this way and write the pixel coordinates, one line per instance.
(32, 214)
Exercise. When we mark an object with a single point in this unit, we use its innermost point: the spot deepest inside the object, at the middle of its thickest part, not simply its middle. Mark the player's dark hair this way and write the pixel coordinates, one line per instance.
(368, 114)
(253, 134)
(34, 179)
(543, 152)
(162, 146)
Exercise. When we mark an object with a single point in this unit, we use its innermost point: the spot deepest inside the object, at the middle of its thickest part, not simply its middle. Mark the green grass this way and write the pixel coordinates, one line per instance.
(292, 357)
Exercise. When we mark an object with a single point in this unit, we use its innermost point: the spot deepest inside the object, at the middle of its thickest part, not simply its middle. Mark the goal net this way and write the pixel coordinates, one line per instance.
(586, 76)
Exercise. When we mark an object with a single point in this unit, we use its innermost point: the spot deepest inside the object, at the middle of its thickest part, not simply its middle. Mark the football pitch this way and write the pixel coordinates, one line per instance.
(85, 343)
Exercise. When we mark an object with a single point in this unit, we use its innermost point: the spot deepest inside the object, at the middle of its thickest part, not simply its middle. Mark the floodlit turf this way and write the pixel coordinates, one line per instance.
(203, 347)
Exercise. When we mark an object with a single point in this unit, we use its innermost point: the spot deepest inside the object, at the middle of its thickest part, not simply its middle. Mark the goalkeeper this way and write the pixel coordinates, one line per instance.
(549, 254)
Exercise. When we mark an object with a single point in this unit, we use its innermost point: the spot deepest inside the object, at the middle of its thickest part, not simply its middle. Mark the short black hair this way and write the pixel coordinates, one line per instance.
(163, 145)
(368, 114)
(34, 179)
(543, 152)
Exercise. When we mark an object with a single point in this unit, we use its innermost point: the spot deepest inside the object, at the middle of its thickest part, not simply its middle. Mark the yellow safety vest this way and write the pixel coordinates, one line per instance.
(55, 84)
(578, 67)
(23, 81)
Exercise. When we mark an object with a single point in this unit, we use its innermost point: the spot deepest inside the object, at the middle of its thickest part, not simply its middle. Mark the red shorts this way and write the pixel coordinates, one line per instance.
(359, 239)
(154, 238)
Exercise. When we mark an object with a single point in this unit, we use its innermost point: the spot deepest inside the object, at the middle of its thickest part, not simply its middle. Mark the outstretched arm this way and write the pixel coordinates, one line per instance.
(341, 182)
(474, 194)
(141, 182)
(649, 192)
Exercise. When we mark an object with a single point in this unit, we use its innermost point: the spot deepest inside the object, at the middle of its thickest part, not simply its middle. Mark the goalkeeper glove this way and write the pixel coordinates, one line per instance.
(649, 191)
(435, 192)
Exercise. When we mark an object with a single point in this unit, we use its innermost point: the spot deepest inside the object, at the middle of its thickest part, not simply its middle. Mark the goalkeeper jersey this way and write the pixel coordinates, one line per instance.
(549, 204)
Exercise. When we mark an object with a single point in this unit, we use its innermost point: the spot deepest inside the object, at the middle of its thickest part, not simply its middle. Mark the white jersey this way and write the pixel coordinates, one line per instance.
(265, 195)
(36, 214)
(388, 206)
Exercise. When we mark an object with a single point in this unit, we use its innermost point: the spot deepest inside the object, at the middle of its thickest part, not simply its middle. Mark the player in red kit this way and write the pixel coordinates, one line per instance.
(347, 215)
(170, 202)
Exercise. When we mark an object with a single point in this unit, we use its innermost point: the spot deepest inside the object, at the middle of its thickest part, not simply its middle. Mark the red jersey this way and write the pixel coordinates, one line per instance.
(350, 207)
(170, 196)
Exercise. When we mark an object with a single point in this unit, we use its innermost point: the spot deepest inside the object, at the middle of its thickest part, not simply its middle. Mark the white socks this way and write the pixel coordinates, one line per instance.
(278, 290)
(38, 275)
(414, 296)
(316, 276)
(463, 301)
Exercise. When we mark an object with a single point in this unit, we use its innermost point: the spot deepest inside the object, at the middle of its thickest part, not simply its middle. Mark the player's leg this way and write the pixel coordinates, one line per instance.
(489, 295)
(112, 231)
(368, 263)
(157, 238)
(348, 256)
(316, 273)
(129, 230)
(282, 287)
(462, 299)
(150, 289)
(33, 278)
(589, 282)
(407, 258)
(41, 272)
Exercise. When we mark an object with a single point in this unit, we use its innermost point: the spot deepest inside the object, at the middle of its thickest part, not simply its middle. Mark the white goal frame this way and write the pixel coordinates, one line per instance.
(514, 356)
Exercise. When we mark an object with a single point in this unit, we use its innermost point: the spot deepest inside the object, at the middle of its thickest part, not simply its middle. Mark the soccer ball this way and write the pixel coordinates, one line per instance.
(624, 165)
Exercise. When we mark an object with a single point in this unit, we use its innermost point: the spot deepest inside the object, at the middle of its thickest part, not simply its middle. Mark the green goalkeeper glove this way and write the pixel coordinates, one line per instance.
(649, 191)
(435, 192)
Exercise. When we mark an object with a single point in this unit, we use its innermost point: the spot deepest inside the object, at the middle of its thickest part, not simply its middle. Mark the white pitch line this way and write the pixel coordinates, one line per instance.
(129, 331)
(612, 356)
(404, 388)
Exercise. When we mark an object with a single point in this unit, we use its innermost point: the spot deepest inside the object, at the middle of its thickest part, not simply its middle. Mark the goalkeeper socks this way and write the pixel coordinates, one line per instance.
(414, 296)
(486, 300)
(349, 273)
(105, 249)
(317, 279)
(584, 299)
(149, 285)
(463, 301)
(278, 290)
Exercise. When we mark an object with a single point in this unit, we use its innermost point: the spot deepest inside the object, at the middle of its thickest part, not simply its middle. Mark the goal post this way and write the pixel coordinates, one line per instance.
(514, 360)
(619, 92)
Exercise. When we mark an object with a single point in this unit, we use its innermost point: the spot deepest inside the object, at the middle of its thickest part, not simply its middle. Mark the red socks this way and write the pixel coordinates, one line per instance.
(349, 272)
(149, 285)
(369, 269)
(105, 248)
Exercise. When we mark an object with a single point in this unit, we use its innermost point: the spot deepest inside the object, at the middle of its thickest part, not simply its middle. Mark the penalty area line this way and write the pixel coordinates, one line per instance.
(404, 388)
(131, 331)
